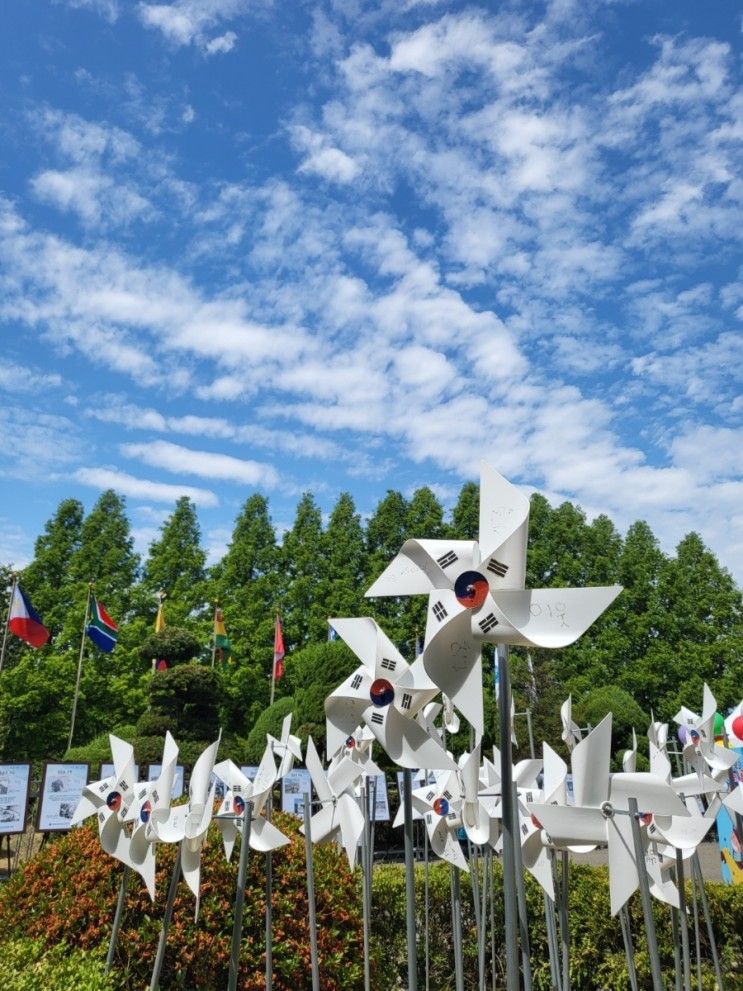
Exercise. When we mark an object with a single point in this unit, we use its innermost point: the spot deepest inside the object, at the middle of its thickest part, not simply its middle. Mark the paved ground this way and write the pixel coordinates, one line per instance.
(709, 858)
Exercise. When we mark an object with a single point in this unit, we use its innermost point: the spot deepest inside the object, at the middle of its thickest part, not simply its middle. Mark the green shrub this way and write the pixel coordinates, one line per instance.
(28, 966)
(67, 893)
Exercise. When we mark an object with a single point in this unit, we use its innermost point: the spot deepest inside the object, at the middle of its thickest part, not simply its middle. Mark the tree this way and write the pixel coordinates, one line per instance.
(175, 564)
(342, 589)
(465, 517)
(385, 535)
(302, 564)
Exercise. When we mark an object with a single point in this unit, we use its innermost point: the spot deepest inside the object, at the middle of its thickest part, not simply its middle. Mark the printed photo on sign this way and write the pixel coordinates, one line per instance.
(220, 788)
(381, 811)
(61, 788)
(294, 786)
(153, 772)
(14, 782)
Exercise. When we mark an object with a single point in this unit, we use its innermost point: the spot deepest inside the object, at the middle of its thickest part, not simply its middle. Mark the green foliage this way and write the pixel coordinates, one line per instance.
(597, 958)
(188, 697)
(175, 564)
(29, 966)
(68, 893)
(173, 644)
(269, 721)
(626, 714)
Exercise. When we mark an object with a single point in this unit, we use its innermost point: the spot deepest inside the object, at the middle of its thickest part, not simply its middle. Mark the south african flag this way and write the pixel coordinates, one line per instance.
(101, 629)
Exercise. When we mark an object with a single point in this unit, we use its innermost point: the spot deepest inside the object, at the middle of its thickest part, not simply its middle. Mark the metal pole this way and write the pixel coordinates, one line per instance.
(697, 870)
(491, 891)
(678, 979)
(311, 895)
(365, 884)
(456, 921)
(521, 896)
(629, 949)
(510, 909)
(549, 924)
(160, 955)
(269, 906)
(697, 941)
(7, 619)
(647, 907)
(407, 797)
(79, 668)
(242, 873)
(531, 734)
(564, 928)
(483, 920)
(118, 914)
(426, 951)
(683, 920)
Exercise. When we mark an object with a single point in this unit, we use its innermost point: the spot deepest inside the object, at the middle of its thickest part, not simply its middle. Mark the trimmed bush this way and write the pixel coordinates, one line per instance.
(67, 893)
(28, 966)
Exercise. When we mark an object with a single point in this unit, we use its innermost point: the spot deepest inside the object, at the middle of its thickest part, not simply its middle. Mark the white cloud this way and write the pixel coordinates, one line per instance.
(187, 22)
(20, 378)
(222, 44)
(205, 464)
(106, 8)
(321, 158)
(141, 488)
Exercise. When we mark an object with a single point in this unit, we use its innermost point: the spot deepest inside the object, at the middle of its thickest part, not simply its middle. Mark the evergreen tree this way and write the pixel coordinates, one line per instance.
(342, 589)
(304, 615)
(465, 517)
(47, 578)
(385, 535)
(175, 565)
(248, 583)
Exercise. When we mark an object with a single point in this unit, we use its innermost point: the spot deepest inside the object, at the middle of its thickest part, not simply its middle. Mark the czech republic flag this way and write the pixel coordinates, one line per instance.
(24, 621)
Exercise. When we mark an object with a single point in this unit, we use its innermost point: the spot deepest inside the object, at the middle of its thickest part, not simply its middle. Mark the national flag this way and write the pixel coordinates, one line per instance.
(102, 630)
(222, 648)
(278, 650)
(24, 621)
(159, 663)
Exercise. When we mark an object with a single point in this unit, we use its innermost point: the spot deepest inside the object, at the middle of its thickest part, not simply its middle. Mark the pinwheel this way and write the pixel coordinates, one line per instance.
(476, 592)
(601, 805)
(288, 748)
(700, 750)
(384, 693)
(571, 733)
(339, 814)
(264, 836)
(358, 747)
(109, 800)
(440, 805)
(150, 808)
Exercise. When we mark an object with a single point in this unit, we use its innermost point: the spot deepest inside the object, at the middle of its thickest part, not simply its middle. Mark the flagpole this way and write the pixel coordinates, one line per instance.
(7, 618)
(214, 632)
(79, 667)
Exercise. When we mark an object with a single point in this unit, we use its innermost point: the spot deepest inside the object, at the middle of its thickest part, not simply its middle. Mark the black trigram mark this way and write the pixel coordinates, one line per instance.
(524, 828)
(446, 559)
(388, 664)
(406, 700)
(452, 816)
(430, 795)
(439, 612)
(529, 797)
(237, 789)
(447, 796)
(488, 624)
(156, 796)
(103, 786)
(497, 567)
(356, 682)
(101, 816)
(429, 818)
(377, 718)
(123, 785)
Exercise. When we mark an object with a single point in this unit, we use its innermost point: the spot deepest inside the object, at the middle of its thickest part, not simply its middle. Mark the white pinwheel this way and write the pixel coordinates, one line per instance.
(476, 593)
(109, 800)
(700, 750)
(600, 814)
(571, 733)
(339, 815)
(385, 693)
(288, 748)
(150, 808)
(264, 836)
(440, 805)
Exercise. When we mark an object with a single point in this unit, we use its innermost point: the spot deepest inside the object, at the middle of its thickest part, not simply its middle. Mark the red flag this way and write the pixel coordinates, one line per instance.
(278, 651)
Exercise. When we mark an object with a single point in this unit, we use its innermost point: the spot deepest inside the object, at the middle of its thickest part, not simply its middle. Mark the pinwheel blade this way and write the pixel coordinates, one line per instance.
(264, 836)
(681, 832)
(412, 572)
(651, 794)
(405, 742)
(552, 617)
(590, 762)
(568, 825)
(452, 657)
(504, 514)
(623, 877)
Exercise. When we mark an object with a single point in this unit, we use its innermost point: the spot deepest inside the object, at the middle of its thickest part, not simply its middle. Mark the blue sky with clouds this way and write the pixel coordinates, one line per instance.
(342, 245)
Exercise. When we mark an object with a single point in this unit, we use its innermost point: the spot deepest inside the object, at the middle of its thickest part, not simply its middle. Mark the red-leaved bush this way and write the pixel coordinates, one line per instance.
(68, 893)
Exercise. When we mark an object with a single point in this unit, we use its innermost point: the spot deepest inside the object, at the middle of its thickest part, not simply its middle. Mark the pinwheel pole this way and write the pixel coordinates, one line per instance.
(510, 905)
(7, 618)
(242, 873)
(160, 955)
(269, 906)
(407, 798)
(311, 894)
(118, 914)
(647, 908)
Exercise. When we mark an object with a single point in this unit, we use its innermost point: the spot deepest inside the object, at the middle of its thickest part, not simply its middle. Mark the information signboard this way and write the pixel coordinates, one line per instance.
(14, 782)
(61, 788)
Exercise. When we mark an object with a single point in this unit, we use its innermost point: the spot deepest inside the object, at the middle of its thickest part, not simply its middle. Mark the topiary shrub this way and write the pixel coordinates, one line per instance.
(187, 696)
(67, 893)
(173, 644)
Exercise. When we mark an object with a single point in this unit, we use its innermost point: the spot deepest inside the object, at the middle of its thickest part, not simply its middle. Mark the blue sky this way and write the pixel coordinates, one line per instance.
(357, 246)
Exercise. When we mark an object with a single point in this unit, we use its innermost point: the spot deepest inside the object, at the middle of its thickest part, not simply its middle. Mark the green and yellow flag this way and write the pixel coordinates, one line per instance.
(222, 648)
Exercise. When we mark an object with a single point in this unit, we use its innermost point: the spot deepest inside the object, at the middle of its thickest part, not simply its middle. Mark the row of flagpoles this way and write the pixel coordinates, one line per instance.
(24, 622)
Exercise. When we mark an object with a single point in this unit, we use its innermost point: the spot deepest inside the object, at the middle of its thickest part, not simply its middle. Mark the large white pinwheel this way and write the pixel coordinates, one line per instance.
(109, 800)
(264, 836)
(151, 808)
(339, 815)
(600, 814)
(384, 693)
(440, 806)
(476, 593)
(700, 750)
(358, 748)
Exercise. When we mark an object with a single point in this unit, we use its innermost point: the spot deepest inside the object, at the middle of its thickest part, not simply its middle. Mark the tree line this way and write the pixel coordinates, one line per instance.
(676, 625)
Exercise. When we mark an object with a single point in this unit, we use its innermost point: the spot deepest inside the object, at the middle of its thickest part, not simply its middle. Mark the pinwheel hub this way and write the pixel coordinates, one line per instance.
(536, 823)
(350, 742)
(607, 810)
(441, 807)
(238, 805)
(694, 737)
(646, 818)
(471, 589)
(381, 692)
(145, 811)
(113, 800)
